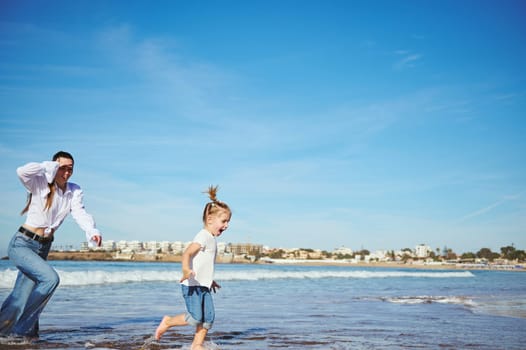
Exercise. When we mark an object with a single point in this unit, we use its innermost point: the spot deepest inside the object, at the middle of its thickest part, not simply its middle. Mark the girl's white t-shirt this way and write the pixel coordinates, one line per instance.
(203, 263)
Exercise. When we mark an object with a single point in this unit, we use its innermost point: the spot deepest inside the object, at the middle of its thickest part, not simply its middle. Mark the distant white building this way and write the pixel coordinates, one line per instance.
(177, 247)
(135, 246)
(152, 246)
(380, 255)
(108, 245)
(422, 251)
(129, 247)
(343, 251)
(122, 245)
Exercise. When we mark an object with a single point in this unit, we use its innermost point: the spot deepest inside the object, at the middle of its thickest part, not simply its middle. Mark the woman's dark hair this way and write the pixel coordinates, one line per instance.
(62, 154)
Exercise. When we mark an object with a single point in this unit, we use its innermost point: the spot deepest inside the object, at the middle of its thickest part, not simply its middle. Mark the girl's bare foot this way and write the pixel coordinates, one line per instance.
(163, 327)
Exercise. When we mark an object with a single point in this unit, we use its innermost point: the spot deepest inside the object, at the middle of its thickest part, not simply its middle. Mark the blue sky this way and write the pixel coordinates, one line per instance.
(367, 124)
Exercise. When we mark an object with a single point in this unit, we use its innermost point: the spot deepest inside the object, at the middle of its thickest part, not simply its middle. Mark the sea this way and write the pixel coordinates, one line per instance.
(118, 305)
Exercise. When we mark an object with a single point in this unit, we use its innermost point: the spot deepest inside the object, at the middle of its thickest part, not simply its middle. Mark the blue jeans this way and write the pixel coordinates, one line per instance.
(199, 306)
(34, 286)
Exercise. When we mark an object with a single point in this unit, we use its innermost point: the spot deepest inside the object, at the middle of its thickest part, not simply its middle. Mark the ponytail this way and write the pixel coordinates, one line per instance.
(213, 207)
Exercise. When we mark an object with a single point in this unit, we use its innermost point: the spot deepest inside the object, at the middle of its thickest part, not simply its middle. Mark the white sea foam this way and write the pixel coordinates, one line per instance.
(499, 306)
(428, 299)
(82, 278)
(15, 341)
(207, 345)
(318, 274)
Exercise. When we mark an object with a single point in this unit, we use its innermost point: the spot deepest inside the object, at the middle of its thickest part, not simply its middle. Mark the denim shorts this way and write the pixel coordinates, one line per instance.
(199, 306)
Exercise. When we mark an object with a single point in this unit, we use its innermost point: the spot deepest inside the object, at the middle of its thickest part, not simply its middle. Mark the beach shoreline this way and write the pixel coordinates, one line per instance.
(107, 256)
(118, 305)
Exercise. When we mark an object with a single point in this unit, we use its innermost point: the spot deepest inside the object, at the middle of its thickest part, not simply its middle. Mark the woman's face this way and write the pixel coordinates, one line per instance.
(218, 223)
(64, 172)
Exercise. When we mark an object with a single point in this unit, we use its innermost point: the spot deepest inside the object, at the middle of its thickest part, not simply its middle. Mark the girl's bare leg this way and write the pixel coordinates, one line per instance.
(199, 338)
(169, 322)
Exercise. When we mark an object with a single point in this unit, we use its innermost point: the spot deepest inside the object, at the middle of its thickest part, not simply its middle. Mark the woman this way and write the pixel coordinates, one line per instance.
(51, 198)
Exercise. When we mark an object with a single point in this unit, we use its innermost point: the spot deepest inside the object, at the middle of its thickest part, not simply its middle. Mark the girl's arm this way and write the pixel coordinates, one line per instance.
(188, 255)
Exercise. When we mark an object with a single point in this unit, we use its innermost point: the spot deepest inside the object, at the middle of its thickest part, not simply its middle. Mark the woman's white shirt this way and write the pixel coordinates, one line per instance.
(35, 177)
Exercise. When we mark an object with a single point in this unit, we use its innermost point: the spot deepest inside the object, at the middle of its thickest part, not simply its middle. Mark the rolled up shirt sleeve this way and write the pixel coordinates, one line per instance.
(33, 174)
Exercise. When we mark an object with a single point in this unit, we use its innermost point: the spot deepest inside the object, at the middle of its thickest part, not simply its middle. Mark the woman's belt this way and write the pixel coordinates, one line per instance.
(34, 236)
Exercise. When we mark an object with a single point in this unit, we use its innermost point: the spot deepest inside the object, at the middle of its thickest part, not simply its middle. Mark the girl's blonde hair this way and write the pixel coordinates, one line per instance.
(215, 206)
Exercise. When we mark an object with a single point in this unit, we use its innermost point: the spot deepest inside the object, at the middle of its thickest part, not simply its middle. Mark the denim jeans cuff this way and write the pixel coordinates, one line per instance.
(190, 320)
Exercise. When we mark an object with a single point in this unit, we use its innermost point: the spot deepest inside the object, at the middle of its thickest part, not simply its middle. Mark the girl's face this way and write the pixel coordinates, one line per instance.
(217, 223)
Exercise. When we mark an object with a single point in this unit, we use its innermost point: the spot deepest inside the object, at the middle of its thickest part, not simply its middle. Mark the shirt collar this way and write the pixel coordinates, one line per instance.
(68, 189)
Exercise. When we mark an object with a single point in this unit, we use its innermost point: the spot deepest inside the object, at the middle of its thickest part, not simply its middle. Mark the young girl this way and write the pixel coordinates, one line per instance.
(198, 273)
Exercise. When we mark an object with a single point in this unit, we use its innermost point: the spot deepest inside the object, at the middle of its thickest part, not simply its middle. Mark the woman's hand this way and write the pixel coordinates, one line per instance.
(97, 239)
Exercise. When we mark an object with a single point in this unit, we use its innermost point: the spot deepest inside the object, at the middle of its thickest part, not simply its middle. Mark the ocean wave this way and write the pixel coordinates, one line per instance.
(427, 299)
(319, 274)
(498, 306)
(502, 306)
(82, 278)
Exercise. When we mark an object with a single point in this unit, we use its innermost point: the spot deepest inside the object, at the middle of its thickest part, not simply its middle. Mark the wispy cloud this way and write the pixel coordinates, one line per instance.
(164, 74)
(491, 207)
(407, 60)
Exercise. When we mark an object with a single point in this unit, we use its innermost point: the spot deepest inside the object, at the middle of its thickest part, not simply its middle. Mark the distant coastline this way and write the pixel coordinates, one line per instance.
(108, 256)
